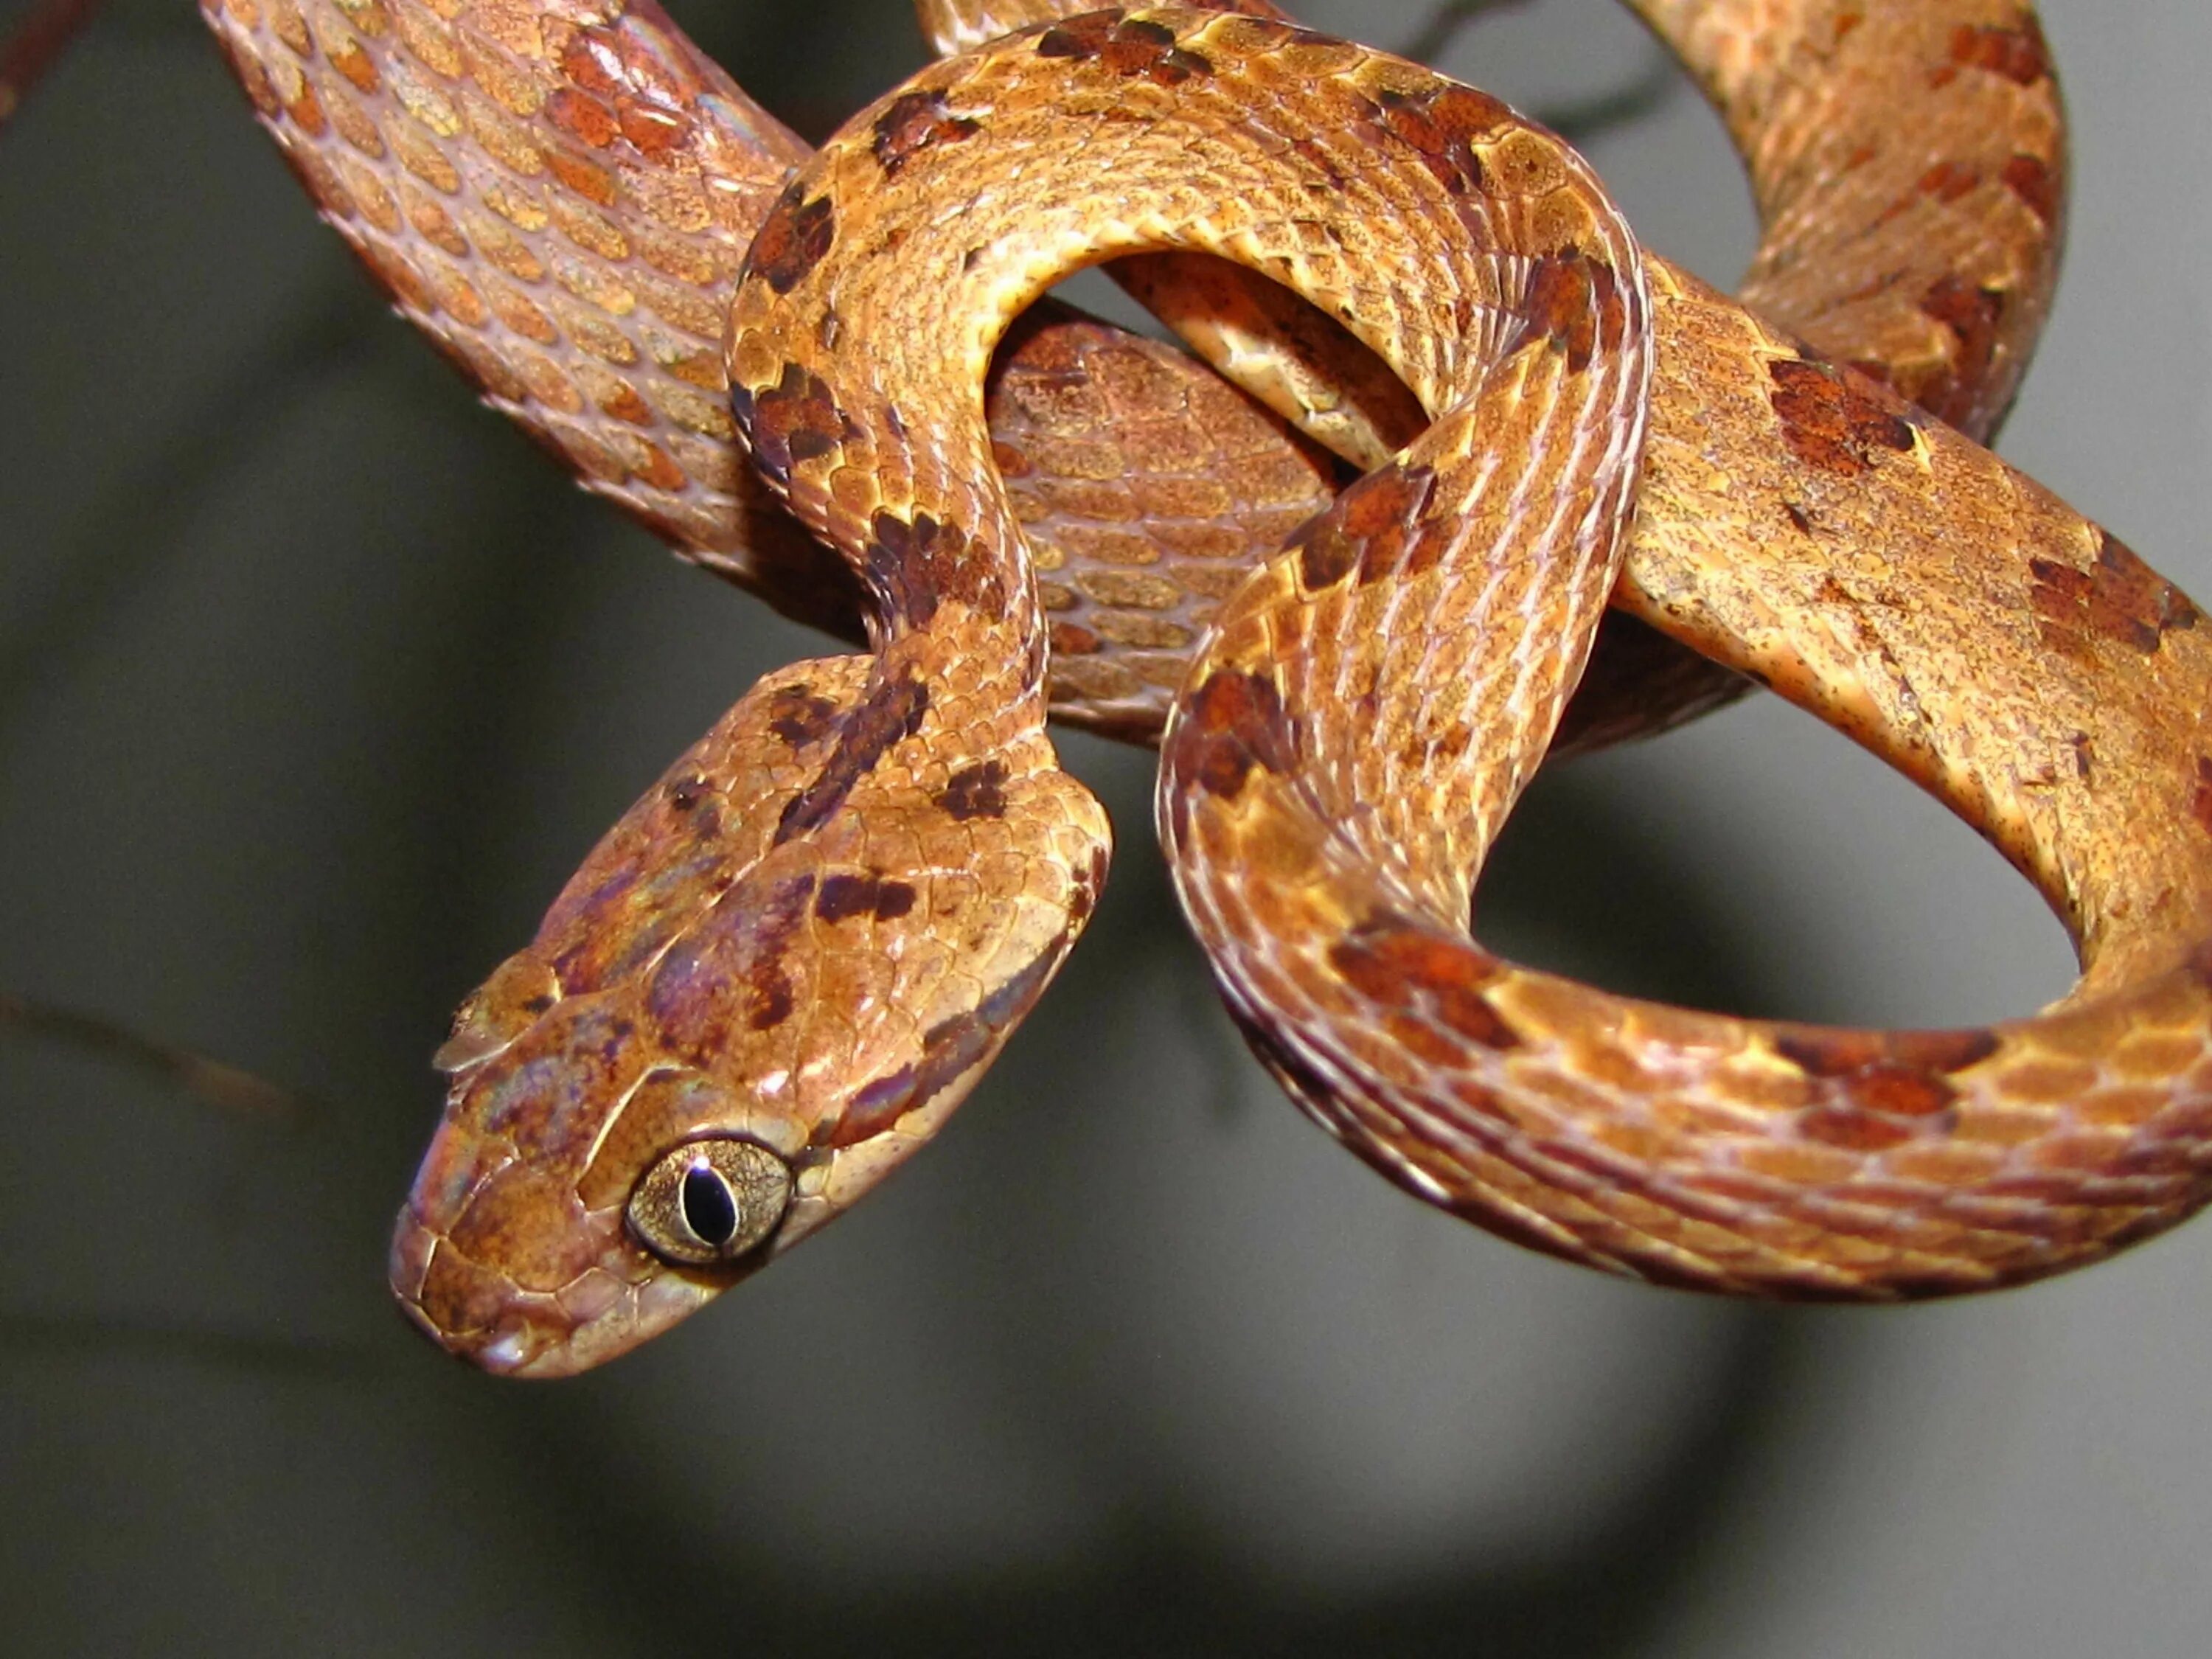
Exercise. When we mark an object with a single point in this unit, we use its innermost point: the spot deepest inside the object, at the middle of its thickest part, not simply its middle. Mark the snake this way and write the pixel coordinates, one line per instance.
(559, 197)
(548, 1231)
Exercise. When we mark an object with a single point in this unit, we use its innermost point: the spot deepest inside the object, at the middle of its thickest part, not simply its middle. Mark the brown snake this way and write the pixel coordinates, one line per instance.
(810, 1033)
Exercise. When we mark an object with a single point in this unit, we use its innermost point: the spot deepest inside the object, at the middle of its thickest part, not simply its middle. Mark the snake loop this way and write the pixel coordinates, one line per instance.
(920, 806)
(735, 1019)
(1704, 1150)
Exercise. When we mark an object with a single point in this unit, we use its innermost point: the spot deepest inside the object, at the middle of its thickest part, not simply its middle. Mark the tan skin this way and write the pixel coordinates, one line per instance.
(1657, 605)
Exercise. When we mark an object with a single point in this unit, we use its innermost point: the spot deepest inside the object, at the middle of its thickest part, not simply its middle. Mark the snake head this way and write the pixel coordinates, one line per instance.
(727, 1030)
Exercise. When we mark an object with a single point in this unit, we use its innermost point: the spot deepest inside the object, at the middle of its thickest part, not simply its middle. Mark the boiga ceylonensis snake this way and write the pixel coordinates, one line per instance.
(782, 970)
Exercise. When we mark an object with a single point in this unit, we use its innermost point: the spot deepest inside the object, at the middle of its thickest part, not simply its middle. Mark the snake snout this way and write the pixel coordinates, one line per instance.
(516, 1286)
(443, 1296)
(478, 1314)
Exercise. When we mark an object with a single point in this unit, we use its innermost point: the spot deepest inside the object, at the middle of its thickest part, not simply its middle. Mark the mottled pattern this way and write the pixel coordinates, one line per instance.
(887, 864)
(2012, 658)
(1832, 421)
(702, 978)
(559, 196)
(1380, 693)
(1908, 159)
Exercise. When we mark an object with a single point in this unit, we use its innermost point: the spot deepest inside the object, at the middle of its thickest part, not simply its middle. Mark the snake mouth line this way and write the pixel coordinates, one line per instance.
(488, 1319)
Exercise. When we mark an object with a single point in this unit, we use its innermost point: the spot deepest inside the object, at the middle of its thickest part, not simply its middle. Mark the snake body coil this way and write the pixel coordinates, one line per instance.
(785, 967)
(867, 937)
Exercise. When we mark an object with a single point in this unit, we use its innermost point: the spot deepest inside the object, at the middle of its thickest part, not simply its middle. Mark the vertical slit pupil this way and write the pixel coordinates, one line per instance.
(708, 1210)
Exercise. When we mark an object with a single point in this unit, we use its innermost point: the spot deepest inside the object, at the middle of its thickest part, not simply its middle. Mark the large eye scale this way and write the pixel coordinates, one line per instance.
(705, 1201)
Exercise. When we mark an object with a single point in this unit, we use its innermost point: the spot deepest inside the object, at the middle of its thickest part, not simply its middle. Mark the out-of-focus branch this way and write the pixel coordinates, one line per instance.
(219, 1083)
(34, 44)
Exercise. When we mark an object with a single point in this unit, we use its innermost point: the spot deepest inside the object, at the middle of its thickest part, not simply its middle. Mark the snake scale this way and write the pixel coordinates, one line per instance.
(786, 966)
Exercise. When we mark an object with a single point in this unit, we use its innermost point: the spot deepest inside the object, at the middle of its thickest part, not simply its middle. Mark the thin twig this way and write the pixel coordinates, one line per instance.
(1584, 118)
(217, 1082)
(135, 1339)
(1443, 26)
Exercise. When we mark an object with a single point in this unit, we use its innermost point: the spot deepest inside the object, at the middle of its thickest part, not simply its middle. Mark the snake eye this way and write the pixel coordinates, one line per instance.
(707, 1201)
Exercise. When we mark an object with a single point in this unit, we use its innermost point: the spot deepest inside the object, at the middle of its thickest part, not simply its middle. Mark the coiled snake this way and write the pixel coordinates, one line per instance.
(781, 972)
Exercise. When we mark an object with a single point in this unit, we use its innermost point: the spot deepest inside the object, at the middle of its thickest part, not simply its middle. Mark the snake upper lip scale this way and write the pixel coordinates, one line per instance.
(779, 974)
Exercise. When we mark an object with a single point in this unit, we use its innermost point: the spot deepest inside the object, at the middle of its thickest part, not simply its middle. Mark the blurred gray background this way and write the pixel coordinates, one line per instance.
(316, 681)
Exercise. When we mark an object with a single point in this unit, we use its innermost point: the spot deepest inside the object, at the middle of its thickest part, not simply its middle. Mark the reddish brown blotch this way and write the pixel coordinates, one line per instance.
(845, 897)
(890, 712)
(1398, 964)
(793, 239)
(1971, 315)
(1574, 299)
(1368, 529)
(1876, 1089)
(798, 716)
(913, 565)
(2119, 599)
(2017, 52)
(1835, 420)
(914, 122)
(2033, 182)
(795, 420)
(975, 791)
(1441, 125)
(1235, 722)
(1125, 46)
